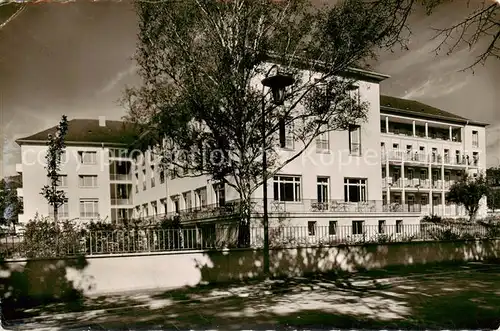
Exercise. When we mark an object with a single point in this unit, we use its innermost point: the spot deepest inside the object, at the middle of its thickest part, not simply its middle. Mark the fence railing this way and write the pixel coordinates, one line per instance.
(218, 236)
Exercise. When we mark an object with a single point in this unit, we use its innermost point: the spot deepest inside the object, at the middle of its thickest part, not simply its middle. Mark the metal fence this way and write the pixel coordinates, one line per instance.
(218, 236)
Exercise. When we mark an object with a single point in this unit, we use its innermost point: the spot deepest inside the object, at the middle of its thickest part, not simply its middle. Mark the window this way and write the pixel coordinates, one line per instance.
(62, 211)
(175, 203)
(286, 134)
(136, 188)
(87, 157)
(355, 140)
(145, 210)
(287, 188)
(62, 181)
(475, 158)
(153, 182)
(87, 180)
(354, 189)
(332, 228)
(353, 92)
(475, 139)
(187, 200)
(395, 147)
(323, 141)
(399, 226)
(410, 174)
(201, 197)
(423, 174)
(357, 227)
(220, 194)
(154, 206)
(89, 208)
(311, 228)
(323, 189)
(64, 157)
(163, 202)
(381, 226)
(144, 179)
(162, 177)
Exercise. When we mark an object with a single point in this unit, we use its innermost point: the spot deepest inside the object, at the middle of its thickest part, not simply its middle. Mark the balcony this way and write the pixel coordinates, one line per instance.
(120, 177)
(407, 129)
(121, 201)
(444, 211)
(416, 183)
(397, 156)
(328, 206)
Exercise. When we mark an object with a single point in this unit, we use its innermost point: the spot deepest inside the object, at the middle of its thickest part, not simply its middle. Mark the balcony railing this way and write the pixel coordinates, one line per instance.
(125, 177)
(327, 206)
(408, 156)
(416, 183)
(121, 201)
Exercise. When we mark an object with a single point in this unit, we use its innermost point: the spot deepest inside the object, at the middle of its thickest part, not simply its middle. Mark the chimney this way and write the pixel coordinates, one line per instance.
(102, 120)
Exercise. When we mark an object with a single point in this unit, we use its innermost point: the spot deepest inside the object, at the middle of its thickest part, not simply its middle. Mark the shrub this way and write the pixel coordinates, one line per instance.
(43, 239)
(432, 219)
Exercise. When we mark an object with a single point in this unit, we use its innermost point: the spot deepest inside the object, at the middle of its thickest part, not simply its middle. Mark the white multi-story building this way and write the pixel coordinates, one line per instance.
(97, 182)
(345, 178)
(424, 150)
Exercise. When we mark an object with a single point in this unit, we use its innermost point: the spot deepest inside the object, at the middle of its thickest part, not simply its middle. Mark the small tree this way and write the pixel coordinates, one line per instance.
(493, 178)
(56, 147)
(10, 204)
(468, 192)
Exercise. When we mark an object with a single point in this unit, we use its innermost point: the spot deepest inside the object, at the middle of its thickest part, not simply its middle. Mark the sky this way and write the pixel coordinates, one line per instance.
(76, 59)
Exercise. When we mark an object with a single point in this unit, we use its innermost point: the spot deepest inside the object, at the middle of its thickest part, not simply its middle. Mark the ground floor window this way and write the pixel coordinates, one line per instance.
(311, 227)
(357, 227)
(332, 228)
(287, 188)
(354, 189)
(89, 208)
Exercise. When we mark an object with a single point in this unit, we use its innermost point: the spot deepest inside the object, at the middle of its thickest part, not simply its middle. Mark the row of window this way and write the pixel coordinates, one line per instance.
(83, 157)
(357, 227)
(89, 208)
(152, 179)
(288, 188)
(421, 174)
(84, 181)
(287, 139)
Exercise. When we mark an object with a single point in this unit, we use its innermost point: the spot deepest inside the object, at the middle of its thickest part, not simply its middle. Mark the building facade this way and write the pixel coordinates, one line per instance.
(391, 169)
(425, 150)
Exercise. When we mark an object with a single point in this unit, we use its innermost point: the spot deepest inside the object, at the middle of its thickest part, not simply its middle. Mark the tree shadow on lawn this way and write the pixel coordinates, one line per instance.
(467, 298)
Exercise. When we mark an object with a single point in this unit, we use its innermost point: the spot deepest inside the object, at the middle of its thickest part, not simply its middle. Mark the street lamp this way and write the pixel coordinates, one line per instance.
(277, 83)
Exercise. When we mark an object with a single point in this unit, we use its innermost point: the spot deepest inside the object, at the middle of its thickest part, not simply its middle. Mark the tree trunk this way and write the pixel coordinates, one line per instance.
(244, 217)
(56, 228)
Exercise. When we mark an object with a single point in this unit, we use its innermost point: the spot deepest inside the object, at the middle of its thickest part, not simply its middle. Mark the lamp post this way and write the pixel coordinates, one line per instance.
(277, 84)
